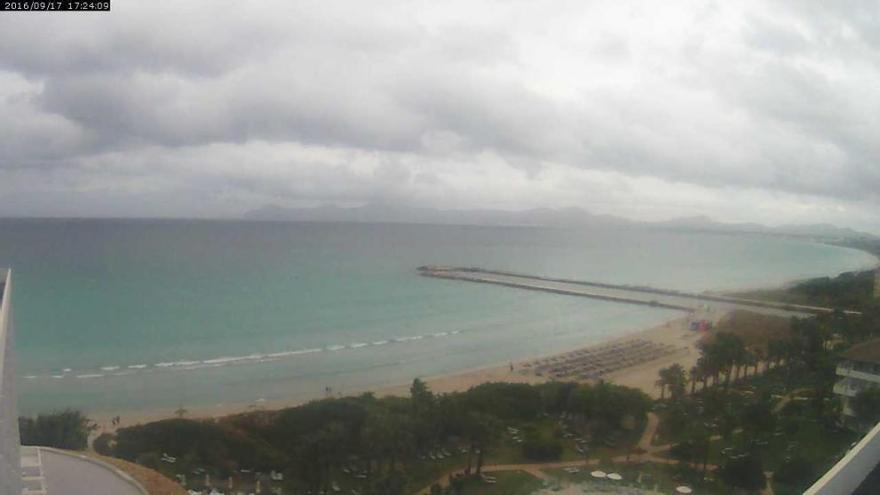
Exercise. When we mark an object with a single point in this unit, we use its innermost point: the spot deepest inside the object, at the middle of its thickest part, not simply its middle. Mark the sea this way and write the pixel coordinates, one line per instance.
(124, 315)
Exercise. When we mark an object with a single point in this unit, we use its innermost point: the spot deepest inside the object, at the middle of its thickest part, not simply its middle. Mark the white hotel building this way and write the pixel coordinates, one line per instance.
(860, 370)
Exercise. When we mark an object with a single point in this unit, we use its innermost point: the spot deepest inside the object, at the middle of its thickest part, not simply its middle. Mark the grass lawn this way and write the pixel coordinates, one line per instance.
(509, 483)
(507, 451)
(819, 445)
(646, 476)
(423, 472)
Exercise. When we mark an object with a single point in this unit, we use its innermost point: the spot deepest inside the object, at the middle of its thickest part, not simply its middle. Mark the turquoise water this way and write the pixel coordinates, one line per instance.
(142, 314)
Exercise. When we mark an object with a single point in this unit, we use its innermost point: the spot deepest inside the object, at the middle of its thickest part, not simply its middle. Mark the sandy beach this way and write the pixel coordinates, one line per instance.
(674, 332)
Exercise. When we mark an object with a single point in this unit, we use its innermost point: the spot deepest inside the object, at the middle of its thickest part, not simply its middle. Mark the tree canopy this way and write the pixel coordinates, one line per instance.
(866, 405)
(67, 429)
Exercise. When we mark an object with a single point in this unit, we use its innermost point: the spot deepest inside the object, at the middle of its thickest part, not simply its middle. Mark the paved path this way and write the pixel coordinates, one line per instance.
(52, 472)
(650, 431)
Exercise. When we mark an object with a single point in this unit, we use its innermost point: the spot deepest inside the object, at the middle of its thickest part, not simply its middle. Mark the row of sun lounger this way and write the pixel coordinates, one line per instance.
(597, 361)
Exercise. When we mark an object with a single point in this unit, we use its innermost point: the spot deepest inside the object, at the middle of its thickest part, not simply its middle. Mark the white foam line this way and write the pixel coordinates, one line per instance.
(293, 353)
(29, 377)
(169, 364)
(232, 359)
(258, 358)
(201, 365)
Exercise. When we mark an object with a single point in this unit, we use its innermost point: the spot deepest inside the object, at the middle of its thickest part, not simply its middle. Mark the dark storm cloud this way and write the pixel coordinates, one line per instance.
(774, 97)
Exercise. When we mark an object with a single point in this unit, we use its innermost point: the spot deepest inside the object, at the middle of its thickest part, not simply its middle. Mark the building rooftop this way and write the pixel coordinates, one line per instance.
(866, 352)
(57, 472)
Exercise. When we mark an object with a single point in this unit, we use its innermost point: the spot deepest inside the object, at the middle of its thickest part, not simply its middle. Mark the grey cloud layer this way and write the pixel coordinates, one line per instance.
(777, 97)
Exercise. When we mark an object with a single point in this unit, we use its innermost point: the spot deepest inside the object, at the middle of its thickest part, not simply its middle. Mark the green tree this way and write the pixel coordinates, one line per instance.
(724, 352)
(866, 405)
(423, 412)
(422, 399)
(68, 429)
(481, 430)
(758, 418)
(776, 350)
(684, 452)
(695, 374)
(104, 444)
(677, 381)
(745, 473)
(541, 447)
(796, 473)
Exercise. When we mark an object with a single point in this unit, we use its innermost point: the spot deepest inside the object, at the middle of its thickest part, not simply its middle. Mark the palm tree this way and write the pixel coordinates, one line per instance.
(695, 374)
(661, 382)
(775, 352)
(729, 349)
(747, 360)
(709, 369)
(677, 381)
(481, 429)
(376, 437)
(759, 354)
(674, 378)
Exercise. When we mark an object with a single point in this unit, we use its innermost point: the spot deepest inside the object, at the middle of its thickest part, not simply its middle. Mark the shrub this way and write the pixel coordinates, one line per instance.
(538, 447)
(797, 473)
(104, 444)
(744, 473)
(68, 429)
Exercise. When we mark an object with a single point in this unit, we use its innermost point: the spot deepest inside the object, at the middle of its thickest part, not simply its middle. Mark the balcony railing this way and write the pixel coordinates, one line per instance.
(852, 372)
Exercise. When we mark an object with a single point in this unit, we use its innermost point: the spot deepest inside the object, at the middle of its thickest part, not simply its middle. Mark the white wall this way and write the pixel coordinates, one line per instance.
(10, 460)
(850, 471)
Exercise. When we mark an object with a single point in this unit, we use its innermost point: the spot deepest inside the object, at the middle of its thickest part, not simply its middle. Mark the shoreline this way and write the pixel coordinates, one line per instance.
(674, 331)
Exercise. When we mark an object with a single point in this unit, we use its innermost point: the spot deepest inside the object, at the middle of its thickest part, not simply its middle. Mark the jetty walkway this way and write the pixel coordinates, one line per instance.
(660, 298)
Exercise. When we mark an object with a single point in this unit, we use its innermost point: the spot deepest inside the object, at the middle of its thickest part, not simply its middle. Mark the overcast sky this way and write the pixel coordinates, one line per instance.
(744, 111)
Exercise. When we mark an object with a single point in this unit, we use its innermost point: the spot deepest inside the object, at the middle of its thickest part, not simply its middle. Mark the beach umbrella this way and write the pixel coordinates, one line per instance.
(683, 489)
(614, 476)
(598, 474)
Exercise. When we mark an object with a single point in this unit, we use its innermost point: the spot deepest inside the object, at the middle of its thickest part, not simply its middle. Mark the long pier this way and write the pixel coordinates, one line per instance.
(648, 296)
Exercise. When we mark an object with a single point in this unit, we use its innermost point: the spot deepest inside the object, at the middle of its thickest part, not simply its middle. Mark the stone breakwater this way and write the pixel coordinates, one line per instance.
(661, 298)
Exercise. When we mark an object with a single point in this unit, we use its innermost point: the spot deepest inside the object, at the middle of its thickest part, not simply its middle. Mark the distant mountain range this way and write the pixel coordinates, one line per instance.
(550, 217)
